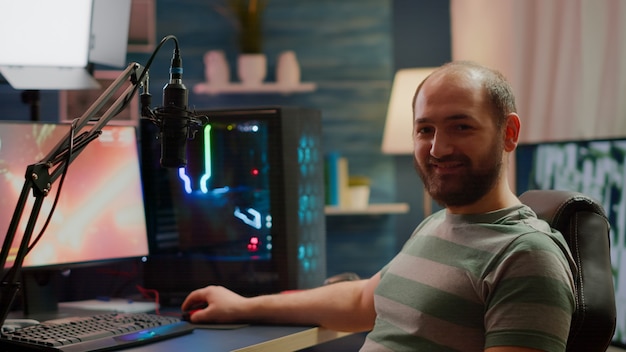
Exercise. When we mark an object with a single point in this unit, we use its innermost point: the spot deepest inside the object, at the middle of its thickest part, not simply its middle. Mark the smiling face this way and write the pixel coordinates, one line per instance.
(458, 148)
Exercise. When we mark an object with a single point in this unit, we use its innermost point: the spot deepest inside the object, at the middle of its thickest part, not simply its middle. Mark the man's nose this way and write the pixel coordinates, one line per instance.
(441, 145)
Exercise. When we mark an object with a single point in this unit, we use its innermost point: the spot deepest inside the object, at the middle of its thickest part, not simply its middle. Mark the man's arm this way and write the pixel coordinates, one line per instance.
(344, 306)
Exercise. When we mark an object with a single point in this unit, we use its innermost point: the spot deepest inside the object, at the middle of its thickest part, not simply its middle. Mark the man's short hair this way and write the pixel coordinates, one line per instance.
(495, 84)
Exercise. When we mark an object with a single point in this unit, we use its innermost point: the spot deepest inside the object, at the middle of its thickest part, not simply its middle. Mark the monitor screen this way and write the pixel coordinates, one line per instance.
(596, 168)
(100, 213)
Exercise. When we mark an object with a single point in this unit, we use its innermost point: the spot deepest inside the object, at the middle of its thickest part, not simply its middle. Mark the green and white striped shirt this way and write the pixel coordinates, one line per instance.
(468, 282)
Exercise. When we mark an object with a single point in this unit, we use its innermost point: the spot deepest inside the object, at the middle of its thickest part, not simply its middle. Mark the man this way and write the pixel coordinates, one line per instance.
(482, 275)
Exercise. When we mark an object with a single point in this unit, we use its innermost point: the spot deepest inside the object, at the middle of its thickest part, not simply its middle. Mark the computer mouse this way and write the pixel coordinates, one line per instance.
(347, 276)
(186, 316)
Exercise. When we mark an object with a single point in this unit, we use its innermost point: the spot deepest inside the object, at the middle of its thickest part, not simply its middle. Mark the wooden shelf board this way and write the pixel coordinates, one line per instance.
(372, 209)
(239, 88)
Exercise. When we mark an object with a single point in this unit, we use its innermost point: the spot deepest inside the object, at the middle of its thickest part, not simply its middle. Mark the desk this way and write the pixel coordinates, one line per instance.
(242, 338)
(253, 338)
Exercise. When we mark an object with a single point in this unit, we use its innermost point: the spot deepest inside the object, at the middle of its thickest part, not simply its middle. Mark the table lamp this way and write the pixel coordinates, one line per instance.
(399, 122)
(397, 136)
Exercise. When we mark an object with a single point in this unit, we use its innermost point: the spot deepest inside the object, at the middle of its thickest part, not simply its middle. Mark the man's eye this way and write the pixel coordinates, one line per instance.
(463, 127)
(425, 130)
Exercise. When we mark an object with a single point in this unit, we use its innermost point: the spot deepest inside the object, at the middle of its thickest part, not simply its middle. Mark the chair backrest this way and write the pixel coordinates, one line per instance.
(585, 227)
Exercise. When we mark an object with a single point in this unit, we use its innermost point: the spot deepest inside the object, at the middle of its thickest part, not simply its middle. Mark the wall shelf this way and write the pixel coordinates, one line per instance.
(267, 87)
(372, 209)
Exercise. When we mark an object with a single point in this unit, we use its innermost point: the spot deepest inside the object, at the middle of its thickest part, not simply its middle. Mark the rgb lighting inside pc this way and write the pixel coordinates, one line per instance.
(221, 198)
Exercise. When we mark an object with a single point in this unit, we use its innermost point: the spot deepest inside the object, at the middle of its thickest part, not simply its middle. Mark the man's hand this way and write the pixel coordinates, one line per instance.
(220, 305)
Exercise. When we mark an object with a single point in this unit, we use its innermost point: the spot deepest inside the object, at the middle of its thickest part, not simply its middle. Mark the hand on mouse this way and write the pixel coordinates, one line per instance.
(213, 304)
(192, 310)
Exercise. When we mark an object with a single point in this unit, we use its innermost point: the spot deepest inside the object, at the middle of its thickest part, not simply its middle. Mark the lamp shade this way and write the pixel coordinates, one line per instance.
(397, 136)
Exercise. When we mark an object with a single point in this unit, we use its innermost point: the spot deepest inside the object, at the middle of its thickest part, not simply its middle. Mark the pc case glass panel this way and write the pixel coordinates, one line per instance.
(222, 197)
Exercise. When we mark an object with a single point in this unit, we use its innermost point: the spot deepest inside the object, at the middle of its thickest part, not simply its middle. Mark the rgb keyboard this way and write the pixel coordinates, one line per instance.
(100, 332)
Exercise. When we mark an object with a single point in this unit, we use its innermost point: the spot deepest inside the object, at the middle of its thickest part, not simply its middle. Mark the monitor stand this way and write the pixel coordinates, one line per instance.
(40, 296)
(40, 291)
(120, 305)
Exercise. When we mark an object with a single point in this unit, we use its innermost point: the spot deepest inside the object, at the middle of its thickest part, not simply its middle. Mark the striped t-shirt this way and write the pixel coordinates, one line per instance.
(468, 282)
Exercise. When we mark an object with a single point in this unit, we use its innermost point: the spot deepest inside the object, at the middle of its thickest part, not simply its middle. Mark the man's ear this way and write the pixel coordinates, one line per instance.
(511, 132)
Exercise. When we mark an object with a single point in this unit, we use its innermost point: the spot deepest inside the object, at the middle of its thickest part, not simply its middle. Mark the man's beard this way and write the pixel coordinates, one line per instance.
(464, 188)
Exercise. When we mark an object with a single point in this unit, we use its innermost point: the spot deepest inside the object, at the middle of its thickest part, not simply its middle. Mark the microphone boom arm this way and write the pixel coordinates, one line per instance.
(40, 176)
(133, 72)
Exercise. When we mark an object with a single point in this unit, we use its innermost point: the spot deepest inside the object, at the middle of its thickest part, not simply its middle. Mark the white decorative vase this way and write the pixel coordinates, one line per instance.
(252, 68)
(359, 196)
(288, 68)
(216, 70)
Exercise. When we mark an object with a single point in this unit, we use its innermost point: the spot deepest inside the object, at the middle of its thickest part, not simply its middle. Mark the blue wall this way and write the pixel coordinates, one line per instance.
(350, 49)
(422, 38)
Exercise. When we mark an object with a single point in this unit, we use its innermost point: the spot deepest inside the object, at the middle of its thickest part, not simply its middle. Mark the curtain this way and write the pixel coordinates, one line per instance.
(565, 59)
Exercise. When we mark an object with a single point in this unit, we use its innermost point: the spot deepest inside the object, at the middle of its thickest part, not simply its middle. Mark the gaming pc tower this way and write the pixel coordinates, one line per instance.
(247, 211)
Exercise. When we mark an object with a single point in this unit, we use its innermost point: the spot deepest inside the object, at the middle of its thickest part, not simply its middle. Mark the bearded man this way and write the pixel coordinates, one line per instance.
(483, 274)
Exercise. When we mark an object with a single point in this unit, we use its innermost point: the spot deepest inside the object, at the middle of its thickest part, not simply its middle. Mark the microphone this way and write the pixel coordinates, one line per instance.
(176, 124)
(175, 119)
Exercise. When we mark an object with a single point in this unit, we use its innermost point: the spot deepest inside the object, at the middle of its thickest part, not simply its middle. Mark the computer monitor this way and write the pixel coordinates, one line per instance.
(248, 210)
(596, 168)
(100, 214)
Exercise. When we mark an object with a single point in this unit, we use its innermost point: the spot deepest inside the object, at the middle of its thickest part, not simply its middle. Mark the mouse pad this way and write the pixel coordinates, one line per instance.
(220, 326)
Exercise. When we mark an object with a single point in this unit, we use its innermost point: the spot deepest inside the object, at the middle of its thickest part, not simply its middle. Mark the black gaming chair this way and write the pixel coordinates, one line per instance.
(583, 223)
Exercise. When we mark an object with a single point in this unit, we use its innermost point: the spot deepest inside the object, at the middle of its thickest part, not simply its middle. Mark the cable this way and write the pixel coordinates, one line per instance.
(145, 72)
(151, 294)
